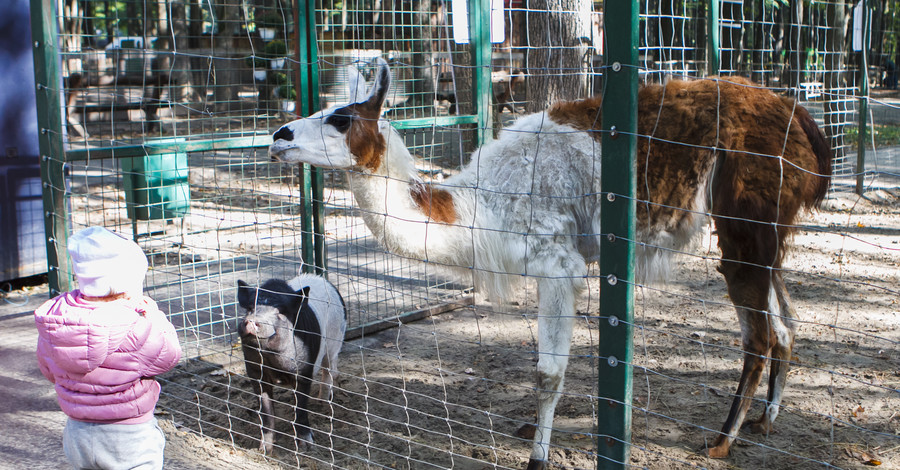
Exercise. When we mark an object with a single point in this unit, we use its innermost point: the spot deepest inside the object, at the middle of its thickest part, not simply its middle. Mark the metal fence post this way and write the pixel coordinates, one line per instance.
(863, 101)
(617, 221)
(45, 39)
(480, 44)
(712, 24)
(311, 180)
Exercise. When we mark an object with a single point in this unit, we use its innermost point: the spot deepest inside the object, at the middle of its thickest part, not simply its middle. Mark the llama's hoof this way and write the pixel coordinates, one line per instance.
(536, 464)
(760, 426)
(717, 452)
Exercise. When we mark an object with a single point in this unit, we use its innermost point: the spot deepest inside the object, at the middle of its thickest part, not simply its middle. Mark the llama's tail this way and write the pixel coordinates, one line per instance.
(823, 154)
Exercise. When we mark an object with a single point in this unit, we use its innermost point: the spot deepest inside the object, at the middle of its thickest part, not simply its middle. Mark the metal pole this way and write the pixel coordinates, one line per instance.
(48, 83)
(480, 44)
(312, 225)
(863, 101)
(712, 23)
(617, 222)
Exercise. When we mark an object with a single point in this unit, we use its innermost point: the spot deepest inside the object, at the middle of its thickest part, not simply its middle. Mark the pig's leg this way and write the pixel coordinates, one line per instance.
(266, 416)
(301, 412)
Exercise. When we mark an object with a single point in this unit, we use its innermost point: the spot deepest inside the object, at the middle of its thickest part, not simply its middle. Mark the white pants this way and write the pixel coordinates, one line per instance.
(114, 446)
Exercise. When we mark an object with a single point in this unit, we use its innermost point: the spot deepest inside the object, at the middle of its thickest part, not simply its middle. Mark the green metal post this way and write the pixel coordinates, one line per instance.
(311, 178)
(863, 102)
(480, 45)
(712, 22)
(617, 222)
(48, 82)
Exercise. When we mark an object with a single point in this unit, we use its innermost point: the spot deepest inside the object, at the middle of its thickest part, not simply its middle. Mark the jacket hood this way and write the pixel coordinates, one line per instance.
(82, 333)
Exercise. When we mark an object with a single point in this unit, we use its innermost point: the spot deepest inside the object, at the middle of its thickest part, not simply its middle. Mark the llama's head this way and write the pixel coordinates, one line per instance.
(345, 136)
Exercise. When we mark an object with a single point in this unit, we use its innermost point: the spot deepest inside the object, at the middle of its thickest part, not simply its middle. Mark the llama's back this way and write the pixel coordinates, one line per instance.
(713, 146)
(535, 187)
(730, 148)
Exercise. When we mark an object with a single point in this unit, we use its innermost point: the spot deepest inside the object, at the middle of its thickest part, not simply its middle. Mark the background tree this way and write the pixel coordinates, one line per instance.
(558, 39)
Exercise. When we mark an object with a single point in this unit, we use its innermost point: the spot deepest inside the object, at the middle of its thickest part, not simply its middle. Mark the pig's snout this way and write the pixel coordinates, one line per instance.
(249, 327)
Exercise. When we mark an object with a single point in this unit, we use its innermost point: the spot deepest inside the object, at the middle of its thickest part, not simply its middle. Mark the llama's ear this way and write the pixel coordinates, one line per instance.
(380, 88)
(356, 85)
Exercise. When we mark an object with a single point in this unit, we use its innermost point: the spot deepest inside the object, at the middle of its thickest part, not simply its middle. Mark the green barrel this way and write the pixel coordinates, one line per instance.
(156, 186)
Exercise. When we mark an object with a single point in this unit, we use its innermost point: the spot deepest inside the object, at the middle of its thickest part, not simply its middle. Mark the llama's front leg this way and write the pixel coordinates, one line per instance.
(555, 321)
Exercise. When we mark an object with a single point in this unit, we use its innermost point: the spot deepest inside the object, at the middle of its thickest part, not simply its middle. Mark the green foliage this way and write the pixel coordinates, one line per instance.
(276, 49)
(280, 78)
(885, 135)
(257, 62)
(287, 92)
(271, 19)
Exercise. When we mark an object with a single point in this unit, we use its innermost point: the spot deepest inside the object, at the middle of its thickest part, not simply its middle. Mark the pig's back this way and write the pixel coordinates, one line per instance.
(326, 302)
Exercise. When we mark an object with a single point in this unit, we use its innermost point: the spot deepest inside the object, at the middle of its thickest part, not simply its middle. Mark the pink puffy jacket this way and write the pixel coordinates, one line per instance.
(102, 356)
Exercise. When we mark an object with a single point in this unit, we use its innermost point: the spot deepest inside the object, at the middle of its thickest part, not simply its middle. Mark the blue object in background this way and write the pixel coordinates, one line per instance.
(22, 246)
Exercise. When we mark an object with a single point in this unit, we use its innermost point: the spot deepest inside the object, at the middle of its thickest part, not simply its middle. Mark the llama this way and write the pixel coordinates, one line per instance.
(293, 330)
(528, 203)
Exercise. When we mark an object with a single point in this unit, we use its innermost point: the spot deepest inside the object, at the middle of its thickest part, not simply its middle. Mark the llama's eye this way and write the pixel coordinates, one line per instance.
(340, 119)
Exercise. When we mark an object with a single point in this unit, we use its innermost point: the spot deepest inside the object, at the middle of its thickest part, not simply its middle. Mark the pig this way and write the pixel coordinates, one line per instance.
(292, 331)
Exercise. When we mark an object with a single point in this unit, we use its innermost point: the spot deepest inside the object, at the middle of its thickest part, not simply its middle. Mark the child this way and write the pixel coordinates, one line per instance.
(101, 345)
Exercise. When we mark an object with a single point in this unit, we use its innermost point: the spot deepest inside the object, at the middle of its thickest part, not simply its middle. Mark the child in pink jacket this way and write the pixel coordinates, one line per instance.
(101, 345)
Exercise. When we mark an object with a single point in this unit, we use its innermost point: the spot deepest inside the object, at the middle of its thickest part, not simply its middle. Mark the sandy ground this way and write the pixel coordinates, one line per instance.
(456, 389)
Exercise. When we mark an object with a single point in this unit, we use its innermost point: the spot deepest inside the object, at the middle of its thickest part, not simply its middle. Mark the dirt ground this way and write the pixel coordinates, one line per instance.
(454, 391)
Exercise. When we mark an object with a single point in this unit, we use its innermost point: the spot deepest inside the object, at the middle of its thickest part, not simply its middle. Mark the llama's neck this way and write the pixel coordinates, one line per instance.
(388, 204)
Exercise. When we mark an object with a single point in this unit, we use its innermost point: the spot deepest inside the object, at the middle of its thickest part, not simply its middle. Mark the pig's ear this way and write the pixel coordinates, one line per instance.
(246, 295)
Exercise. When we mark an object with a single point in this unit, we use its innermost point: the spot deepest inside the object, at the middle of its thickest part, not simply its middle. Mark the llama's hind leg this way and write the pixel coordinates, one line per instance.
(781, 318)
(555, 322)
(748, 287)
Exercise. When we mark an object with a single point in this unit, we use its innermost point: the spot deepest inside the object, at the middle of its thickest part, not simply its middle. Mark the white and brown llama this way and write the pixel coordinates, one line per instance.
(529, 204)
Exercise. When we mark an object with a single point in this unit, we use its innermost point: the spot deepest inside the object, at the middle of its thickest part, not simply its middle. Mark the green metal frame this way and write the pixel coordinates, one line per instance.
(480, 44)
(311, 178)
(863, 101)
(617, 222)
(712, 24)
(48, 83)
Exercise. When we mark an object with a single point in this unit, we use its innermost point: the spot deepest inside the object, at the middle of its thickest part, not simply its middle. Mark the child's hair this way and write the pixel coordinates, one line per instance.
(105, 263)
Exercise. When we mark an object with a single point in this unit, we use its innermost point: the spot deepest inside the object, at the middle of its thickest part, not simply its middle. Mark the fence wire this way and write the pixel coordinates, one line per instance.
(457, 390)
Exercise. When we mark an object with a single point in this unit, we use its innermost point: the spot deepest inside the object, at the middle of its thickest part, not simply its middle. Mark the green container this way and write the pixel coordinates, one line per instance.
(156, 186)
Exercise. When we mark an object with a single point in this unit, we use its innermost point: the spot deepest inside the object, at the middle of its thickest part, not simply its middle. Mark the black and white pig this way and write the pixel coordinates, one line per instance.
(292, 331)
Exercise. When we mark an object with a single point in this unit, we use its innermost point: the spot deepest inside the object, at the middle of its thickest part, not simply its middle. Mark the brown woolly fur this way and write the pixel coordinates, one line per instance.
(436, 203)
(363, 138)
(685, 128)
(754, 160)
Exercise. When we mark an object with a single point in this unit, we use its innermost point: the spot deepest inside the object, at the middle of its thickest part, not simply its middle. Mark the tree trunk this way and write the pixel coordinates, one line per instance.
(225, 78)
(422, 50)
(835, 81)
(794, 49)
(182, 66)
(558, 40)
(73, 32)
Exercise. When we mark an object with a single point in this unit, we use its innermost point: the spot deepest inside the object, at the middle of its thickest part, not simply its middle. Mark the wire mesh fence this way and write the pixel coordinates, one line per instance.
(169, 108)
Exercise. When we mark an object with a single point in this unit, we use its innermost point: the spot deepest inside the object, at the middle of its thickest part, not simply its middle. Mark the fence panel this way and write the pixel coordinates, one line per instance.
(167, 111)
